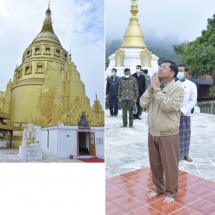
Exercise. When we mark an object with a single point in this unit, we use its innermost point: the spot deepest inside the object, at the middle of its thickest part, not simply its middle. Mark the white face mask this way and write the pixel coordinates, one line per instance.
(137, 70)
(180, 75)
(126, 76)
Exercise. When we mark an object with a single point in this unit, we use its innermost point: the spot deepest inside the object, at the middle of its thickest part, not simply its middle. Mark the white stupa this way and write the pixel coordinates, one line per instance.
(133, 50)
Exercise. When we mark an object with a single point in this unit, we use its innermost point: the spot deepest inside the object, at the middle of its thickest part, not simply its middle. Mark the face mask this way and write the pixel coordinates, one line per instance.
(180, 75)
(137, 70)
(126, 76)
(112, 73)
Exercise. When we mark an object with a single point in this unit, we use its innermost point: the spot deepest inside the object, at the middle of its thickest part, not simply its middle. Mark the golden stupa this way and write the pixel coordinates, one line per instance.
(47, 87)
(133, 37)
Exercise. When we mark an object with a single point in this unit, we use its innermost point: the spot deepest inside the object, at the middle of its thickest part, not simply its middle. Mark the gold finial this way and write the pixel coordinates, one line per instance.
(48, 11)
(96, 95)
(134, 8)
(47, 24)
(70, 56)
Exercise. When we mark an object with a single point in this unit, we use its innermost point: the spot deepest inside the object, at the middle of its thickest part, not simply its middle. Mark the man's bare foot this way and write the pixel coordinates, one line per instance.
(187, 158)
(168, 200)
(152, 194)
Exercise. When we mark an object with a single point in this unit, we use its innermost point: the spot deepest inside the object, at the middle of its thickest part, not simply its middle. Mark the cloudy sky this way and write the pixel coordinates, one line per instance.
(184, 19)
(79, 25)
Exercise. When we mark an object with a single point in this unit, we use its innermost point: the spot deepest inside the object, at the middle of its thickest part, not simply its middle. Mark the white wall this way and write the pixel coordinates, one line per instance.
(63, 140)
(52, 148)
(67, 141)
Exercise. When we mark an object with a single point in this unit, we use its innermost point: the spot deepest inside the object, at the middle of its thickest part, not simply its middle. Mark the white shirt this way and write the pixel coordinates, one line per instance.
(190, 96)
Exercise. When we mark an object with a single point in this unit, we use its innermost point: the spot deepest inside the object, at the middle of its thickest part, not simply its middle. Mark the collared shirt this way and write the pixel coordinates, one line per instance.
(162, 86)
(190, 96)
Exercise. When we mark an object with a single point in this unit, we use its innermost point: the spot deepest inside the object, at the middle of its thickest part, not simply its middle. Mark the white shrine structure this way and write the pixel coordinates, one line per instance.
(133, 50)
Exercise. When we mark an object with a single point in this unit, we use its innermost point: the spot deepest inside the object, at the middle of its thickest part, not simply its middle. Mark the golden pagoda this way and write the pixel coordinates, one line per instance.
(47, 87)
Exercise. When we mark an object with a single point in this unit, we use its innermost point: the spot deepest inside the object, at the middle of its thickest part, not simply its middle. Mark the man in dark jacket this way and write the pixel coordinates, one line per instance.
(112, 92)
(141, 82)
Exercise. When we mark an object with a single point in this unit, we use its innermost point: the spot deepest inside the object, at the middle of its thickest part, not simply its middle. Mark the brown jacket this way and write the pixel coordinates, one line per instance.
(164, 109)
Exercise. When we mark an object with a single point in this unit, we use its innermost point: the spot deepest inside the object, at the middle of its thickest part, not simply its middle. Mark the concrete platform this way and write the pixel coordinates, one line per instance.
(127, 149)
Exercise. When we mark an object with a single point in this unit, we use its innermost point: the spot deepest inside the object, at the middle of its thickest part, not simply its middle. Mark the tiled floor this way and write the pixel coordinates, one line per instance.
(126, 194)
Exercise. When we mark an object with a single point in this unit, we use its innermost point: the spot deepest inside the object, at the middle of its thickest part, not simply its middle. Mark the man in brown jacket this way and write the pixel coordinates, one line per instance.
(164, 100)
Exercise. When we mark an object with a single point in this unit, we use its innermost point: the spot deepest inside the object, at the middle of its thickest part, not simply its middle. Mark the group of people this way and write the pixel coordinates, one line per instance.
(127, 90)
(169, 104)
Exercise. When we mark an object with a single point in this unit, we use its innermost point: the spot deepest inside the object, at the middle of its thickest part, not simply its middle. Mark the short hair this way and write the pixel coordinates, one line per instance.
(145, 71)
(126, 70)
(185, 67)
(114, 69)
(173, 66)
(138, 66)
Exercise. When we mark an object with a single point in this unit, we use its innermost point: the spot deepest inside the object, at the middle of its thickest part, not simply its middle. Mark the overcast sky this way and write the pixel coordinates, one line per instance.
(184, 19)
(79, 25)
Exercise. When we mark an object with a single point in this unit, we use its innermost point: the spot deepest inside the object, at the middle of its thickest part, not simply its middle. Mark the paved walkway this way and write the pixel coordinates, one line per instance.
(127, 149)
(12, 156)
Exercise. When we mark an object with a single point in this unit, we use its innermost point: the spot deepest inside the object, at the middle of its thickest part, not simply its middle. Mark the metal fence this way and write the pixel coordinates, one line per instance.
(208, 110)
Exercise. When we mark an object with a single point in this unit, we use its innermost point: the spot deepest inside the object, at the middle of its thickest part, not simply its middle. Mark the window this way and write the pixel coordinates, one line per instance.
(27, 70)
(65, 56)
(47, 50)
(19, 73)
(28, 53)
(58, 52)
(37, 51)
(39, 69)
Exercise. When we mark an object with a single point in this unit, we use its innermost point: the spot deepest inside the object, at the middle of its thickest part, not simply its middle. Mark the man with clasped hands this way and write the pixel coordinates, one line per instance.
(164, 100)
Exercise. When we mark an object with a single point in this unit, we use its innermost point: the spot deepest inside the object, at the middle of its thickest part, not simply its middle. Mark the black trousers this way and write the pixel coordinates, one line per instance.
(113, 105)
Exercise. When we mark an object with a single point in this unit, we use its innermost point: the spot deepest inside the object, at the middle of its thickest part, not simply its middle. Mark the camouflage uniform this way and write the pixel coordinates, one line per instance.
(128, 93)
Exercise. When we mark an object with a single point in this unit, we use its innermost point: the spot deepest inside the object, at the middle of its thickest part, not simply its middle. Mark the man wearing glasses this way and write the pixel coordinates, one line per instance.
(164, 99)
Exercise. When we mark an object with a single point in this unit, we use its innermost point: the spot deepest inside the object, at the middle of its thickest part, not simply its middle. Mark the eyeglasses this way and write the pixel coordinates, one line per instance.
(163, 67)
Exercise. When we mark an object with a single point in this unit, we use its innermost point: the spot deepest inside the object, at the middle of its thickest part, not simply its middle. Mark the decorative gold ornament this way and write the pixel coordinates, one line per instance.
(119, 57)
(146, 58)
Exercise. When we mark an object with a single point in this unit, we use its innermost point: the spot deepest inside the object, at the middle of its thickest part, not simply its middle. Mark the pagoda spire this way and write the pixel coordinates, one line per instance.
(47, 24)
(133, 37)
(134, 8)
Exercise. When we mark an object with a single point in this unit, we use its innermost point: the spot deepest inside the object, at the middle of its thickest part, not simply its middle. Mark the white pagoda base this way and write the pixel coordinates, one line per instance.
(132, 58)
(30, 153)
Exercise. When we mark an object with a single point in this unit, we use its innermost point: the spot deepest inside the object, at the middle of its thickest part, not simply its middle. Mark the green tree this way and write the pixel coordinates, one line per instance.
(199, 54)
